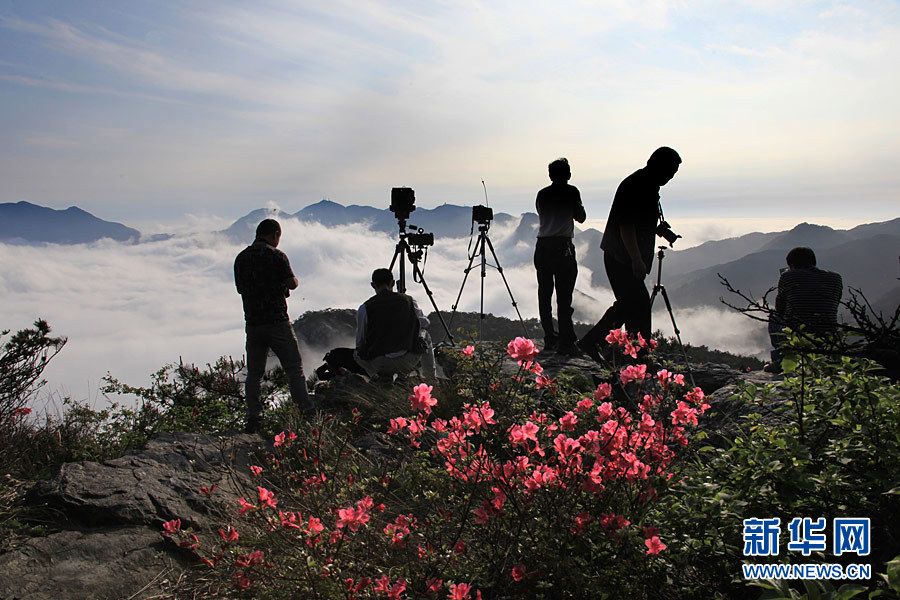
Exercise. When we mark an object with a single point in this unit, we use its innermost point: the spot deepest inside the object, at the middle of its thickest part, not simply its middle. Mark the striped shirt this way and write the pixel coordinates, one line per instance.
(810, 297)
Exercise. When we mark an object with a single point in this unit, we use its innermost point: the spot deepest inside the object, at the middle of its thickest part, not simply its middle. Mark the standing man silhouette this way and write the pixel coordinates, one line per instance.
(558, 207)
(263, 277)
(628, 244)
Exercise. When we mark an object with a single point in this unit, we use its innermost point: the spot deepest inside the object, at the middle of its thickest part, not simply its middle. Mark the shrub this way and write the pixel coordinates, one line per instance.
(514, 485)
(822, 443)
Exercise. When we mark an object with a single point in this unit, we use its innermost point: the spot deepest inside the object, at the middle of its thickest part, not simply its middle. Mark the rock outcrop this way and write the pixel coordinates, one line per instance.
(109, 515)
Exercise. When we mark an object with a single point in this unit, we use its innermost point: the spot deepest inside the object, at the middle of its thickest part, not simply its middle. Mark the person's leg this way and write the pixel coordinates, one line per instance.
(636, 305)
(284, 344)
(543, 264)
(369, 366)
(429, 367)
(566, 274)
(257, 350)
(618, 274)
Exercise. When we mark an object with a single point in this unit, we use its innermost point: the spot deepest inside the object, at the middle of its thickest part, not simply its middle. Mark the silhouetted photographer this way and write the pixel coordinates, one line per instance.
(629, 241)
(807, 296)
(558, 207)
(264, 279)
(391, 332)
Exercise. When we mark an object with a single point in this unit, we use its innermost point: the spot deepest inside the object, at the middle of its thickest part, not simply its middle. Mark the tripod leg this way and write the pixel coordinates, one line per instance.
(665, 296)
(506, 283)
(481, 239)
(418, 276)
(461, 287)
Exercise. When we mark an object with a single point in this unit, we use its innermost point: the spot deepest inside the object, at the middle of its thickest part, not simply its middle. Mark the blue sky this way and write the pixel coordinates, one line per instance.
(145, 111)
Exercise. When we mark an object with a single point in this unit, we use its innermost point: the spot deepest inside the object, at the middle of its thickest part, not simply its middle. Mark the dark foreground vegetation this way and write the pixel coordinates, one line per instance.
(502, 481)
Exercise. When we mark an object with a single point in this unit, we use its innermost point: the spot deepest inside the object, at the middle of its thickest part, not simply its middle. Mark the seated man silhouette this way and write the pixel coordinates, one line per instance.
(807, 296)
(390, 329)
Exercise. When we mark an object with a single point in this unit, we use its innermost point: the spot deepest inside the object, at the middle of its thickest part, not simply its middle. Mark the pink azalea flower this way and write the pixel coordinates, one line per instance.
(584, 406)
(522, 349)
(434, 584)
(266, 498)
(460, 591)
(229, 536)
(241, 581)
(568, 421)
(469, 350)
(421, 399)
(172, 527)
(279, 439)
(256, 470)
(617, 337)
(603, 391)
(633, 373)
(314, 526)
(654, 545)
(245, 506)
(518, 572)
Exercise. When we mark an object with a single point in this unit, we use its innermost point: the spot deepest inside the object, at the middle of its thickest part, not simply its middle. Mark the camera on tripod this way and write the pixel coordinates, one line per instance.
(664, 230)
(403, 202)
(420, 238)
(483, 215)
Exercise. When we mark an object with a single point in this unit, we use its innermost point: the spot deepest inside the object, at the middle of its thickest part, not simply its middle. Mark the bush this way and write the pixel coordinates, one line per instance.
(822, 443)
(510, 484)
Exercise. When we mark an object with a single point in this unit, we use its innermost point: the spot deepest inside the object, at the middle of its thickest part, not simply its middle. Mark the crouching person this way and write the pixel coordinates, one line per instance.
(808, 297)
(390, 332)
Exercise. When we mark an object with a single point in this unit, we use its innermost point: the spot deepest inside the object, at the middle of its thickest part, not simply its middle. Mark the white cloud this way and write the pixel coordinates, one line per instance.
(129, 309)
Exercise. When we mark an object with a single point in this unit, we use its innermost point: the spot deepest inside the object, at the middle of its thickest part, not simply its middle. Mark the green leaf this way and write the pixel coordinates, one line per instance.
(789, 363)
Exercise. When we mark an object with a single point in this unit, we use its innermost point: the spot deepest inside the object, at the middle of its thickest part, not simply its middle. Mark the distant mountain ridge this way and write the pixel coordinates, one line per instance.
(446, 220)
(24, 222)
(865, 255)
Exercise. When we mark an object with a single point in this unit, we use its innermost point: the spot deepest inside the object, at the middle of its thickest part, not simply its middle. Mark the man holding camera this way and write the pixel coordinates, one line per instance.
(628, 245)
(389, 331)
(558, 207)
(263, 277)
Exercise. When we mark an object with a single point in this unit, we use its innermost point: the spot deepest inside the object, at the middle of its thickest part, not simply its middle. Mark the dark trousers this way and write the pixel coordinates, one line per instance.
(632, 305)
(280, 338)
(554, 260)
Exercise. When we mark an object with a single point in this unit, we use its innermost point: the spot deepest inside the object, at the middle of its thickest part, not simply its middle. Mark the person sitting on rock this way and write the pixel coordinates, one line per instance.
(807, 296)
(390, 330)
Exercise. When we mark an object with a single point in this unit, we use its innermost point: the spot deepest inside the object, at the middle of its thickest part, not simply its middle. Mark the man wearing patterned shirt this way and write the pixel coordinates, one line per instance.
(263, 277)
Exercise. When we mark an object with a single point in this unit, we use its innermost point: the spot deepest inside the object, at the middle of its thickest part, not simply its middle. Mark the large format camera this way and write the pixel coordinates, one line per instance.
(664, 230)
(483, 215)
(403, 202)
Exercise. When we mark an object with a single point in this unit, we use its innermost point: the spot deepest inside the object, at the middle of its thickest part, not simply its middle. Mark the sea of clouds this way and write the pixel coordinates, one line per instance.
(129, 309)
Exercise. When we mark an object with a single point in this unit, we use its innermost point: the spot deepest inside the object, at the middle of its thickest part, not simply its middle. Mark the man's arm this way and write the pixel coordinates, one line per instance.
(290, 281)
(578, 212)
(360, 326)
(423, 320)
(629, 240)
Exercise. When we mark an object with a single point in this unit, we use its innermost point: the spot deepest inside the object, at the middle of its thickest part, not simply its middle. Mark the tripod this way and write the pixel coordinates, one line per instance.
(404, 252)
(483, 243)
(660, 288)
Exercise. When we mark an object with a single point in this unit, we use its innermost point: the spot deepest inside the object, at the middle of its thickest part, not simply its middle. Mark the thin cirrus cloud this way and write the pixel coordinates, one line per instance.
(787, 106)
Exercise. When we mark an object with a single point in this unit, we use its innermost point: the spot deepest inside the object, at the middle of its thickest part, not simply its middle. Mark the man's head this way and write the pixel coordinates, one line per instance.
(663, 164)
(801, 258)
(269, 231)
(382, 279)
(559, 171)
